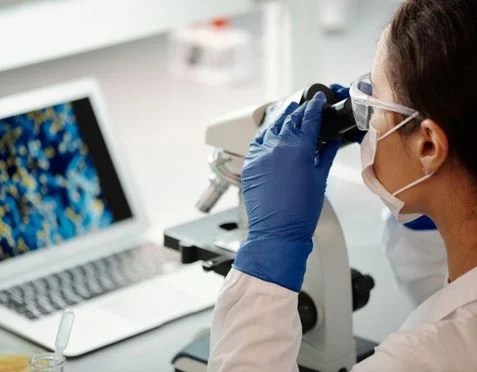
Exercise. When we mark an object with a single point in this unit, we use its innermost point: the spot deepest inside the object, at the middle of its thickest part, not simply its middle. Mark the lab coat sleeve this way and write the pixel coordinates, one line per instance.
(418, 259)
(256, 327)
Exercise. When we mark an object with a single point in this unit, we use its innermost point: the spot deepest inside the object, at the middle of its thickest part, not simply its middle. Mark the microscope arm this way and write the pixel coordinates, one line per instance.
(329, 346)
(254, 312)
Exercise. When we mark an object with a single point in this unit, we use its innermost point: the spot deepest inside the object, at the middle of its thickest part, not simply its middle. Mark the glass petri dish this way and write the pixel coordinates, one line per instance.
(48, 362)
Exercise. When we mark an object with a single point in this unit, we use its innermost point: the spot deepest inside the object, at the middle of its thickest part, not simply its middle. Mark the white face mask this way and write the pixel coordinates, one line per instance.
(368, 153)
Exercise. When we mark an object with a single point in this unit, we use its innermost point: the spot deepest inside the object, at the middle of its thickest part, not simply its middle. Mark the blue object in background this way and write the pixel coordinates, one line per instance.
(421, 224)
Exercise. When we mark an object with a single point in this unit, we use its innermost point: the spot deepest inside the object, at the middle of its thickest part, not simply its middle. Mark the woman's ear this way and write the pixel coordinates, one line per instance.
(432, 145)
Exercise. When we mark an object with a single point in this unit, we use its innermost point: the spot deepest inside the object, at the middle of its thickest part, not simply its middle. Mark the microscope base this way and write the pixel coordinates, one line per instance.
(203, 239)
(194, 357)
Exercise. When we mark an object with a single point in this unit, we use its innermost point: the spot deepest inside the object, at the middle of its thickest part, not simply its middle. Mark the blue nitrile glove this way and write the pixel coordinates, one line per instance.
(340, 91)
(284, 183)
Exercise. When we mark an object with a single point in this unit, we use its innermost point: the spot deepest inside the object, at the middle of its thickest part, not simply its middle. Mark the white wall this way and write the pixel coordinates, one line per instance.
(40, 30)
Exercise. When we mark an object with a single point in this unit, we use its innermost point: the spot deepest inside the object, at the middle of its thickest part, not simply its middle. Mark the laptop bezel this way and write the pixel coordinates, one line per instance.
(97, 243)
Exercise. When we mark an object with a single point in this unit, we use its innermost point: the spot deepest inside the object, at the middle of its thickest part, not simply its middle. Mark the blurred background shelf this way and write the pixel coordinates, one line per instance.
(60, 28)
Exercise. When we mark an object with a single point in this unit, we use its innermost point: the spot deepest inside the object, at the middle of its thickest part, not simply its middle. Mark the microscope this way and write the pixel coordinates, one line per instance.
(331, 289)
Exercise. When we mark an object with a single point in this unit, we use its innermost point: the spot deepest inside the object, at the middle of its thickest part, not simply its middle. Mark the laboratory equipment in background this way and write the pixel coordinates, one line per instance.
(214, 53)
(334, 14)
(331, 289)
(74, 232)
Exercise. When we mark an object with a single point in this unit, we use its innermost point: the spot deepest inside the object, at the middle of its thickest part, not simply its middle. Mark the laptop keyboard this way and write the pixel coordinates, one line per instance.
(64, 289)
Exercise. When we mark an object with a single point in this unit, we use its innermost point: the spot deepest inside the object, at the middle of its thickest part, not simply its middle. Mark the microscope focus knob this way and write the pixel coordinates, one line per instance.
(361, 286)
(307, 311)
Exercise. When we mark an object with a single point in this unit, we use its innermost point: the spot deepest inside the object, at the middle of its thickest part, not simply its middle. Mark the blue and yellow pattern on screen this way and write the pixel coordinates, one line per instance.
(49, 188)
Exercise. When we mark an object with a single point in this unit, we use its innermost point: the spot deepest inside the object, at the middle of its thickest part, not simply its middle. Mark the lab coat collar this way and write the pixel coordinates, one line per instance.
(441, 304)
(455, 295)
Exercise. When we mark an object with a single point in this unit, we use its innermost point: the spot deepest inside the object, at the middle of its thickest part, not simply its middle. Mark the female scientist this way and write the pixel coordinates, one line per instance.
(419, 155)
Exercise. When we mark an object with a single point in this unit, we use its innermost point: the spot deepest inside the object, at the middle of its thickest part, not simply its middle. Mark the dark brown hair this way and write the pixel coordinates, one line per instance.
(432, 67)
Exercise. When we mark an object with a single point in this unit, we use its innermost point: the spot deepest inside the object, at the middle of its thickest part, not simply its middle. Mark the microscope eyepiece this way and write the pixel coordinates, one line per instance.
(338, 120)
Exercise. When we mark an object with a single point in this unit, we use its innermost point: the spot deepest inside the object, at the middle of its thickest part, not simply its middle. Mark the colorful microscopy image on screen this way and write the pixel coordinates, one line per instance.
(50, 190)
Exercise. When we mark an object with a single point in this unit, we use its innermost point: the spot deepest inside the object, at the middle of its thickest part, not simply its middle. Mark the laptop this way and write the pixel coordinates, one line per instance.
(73, 233)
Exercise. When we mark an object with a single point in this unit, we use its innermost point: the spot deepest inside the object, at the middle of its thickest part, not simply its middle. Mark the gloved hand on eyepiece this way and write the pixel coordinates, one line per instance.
(284, 182)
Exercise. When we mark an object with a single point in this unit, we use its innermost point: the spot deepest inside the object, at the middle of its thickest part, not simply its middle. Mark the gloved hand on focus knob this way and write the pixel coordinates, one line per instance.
(284, 182)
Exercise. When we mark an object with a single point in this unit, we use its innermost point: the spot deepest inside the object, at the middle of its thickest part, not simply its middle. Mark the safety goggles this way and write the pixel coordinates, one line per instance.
(364, 103)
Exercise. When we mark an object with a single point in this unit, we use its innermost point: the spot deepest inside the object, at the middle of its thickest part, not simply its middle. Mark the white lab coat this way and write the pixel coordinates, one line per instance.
(256, 326)
(418, 259)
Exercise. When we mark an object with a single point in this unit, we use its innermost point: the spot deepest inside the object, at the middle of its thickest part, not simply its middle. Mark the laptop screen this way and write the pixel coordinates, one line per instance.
(57, 179)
